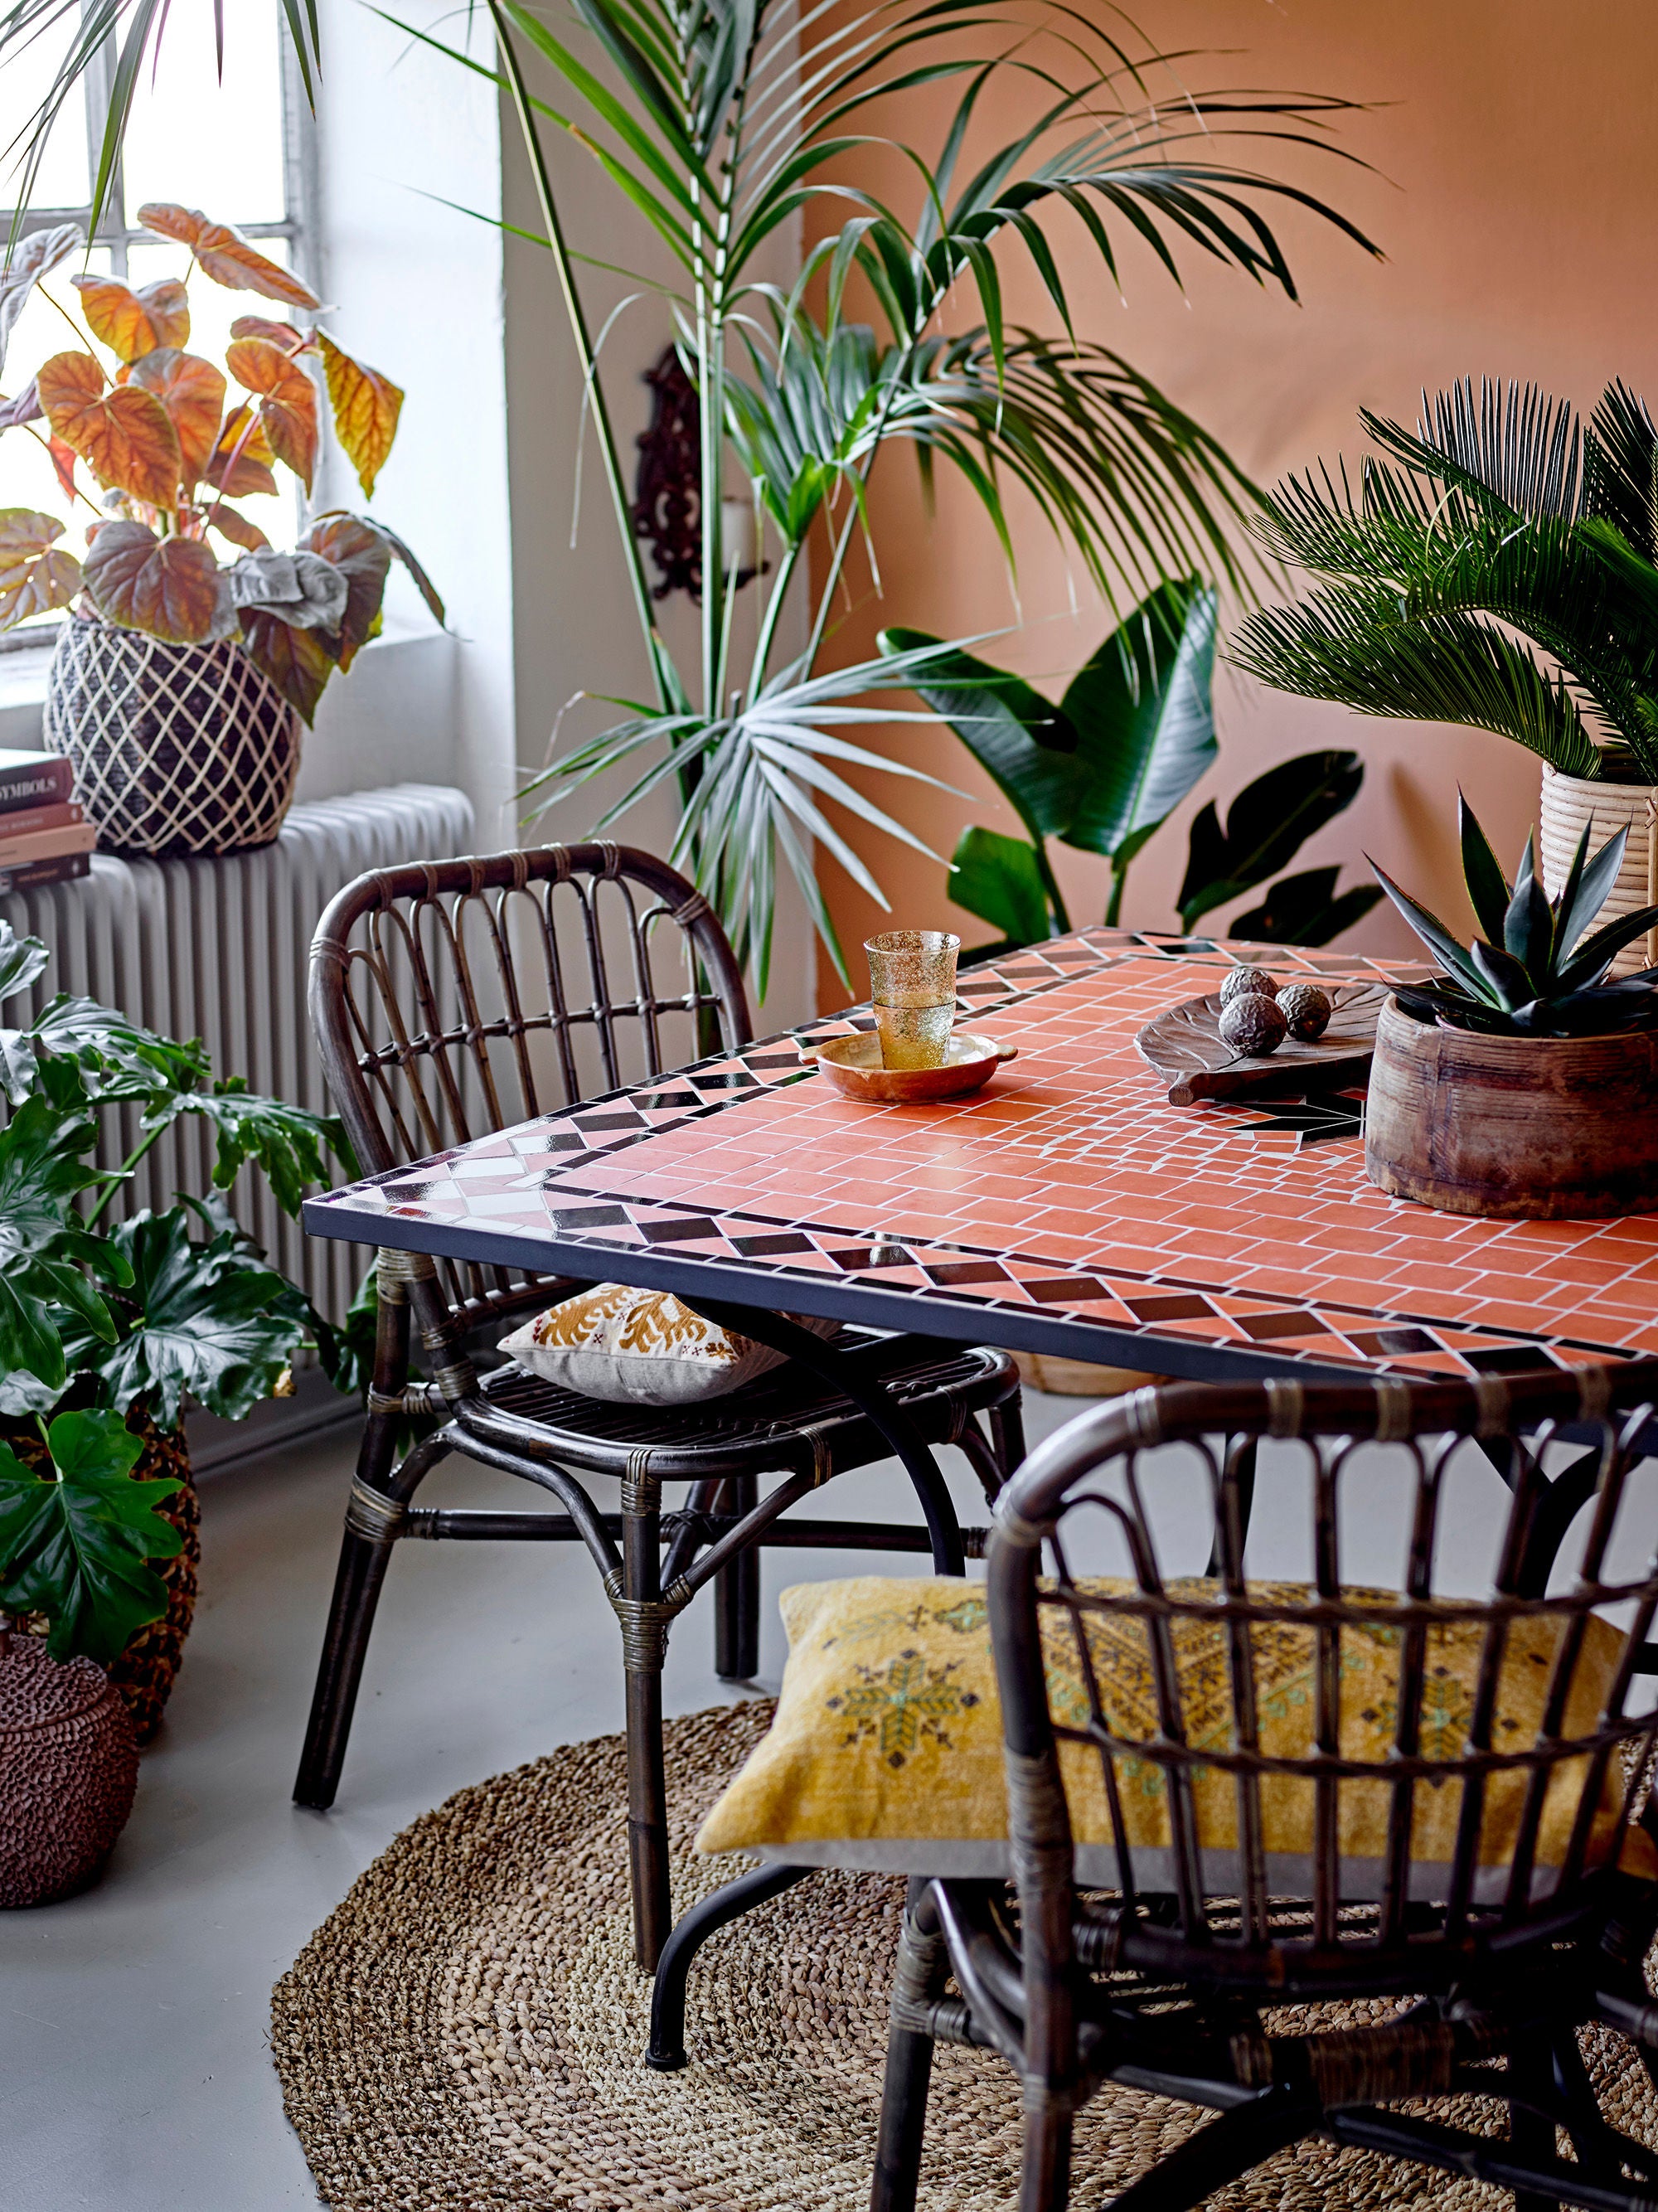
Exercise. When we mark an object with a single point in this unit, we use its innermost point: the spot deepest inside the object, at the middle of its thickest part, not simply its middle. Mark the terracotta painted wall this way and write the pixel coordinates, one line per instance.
(1518, 208)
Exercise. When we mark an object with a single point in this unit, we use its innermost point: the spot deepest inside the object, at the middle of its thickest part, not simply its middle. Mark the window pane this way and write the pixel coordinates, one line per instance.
(204, 145)
(62, 181)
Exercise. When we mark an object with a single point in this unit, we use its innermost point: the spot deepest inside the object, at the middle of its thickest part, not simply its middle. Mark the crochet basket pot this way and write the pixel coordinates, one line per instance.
(1610, 804)
(177, 748)
(69, 1770)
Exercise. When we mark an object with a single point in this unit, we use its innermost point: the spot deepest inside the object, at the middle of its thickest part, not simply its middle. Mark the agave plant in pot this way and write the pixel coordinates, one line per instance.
(107, 1330)
(1519, 1081)
(181, 680)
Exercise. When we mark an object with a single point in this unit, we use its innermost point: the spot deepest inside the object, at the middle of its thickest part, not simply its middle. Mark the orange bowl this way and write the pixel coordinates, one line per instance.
(852, 1065)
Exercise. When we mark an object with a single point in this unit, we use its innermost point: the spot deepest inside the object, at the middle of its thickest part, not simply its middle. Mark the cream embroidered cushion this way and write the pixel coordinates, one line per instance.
(886, 1750)
(641, 1348)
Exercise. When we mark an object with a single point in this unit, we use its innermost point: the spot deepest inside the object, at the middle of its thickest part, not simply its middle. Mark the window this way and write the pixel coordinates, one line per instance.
(238, 151)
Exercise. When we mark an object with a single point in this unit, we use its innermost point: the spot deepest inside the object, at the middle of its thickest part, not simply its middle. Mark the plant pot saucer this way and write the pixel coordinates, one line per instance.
(1186, 1050)
(852, 1066)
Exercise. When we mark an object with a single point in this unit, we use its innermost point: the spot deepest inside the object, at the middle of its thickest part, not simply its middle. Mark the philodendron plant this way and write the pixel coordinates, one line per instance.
(105, 1327)
(1540, 970)
(169, 450)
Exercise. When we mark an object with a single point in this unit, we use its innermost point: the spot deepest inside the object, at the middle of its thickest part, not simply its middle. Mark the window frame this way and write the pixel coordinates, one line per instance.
(116, 237)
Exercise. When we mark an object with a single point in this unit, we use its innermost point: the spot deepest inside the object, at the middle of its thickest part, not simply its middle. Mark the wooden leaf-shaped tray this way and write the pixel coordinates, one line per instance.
(1185, 1048)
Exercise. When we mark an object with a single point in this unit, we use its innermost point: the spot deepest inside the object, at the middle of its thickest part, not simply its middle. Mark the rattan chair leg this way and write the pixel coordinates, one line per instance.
(1221, 2152)
(737, 1596)
(644, 1649)
(666, 2049)
(918, 1979)
(1007, 1434)
(364, 1554)
(1531, 2132)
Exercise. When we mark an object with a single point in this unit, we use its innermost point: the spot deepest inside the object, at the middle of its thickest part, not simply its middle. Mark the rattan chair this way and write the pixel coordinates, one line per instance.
(1166, 1978)
(456, 999)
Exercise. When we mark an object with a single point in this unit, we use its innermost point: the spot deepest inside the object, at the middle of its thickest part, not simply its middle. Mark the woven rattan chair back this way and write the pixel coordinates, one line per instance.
(453, 998)
(1335, 1461)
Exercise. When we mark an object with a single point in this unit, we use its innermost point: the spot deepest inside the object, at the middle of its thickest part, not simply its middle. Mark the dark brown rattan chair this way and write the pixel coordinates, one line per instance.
(1168, 1979)
(456, 999)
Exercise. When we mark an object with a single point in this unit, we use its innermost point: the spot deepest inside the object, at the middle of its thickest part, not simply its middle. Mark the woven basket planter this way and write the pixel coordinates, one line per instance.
(1569, 803)
(69, 1770)
(177, 748)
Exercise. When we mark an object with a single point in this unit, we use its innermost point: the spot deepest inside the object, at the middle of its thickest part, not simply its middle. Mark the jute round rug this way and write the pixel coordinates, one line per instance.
(466, 2031)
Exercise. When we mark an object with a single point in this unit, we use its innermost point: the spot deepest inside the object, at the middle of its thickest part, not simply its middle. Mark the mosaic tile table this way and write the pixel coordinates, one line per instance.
(1066, 1209)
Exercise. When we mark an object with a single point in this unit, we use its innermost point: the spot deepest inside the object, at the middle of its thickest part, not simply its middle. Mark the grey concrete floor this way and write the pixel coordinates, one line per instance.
(135, 2072)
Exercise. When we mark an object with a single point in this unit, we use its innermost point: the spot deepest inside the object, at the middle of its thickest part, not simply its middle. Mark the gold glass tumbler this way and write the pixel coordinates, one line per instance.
(912, 974)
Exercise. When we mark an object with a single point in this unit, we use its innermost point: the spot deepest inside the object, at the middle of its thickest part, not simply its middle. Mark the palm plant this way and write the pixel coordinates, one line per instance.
(719, 121)
(1499, 568)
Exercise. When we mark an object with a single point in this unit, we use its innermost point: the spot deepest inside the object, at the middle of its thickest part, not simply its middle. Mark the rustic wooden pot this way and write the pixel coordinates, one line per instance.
(1523, 1129)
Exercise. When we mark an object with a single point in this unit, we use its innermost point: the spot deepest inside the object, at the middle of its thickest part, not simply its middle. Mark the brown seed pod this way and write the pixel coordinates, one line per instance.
(1243, 982)
(1306, 1009)
(1253, 1023)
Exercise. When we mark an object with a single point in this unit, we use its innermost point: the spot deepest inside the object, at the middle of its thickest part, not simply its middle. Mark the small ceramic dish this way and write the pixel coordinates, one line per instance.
(853, 1065)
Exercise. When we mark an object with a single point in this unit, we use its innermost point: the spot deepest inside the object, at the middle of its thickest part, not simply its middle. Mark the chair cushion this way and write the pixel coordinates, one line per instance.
(886, 1750)
(641, 1347)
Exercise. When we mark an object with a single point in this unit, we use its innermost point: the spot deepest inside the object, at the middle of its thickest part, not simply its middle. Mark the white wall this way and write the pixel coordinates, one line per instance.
(417, 289)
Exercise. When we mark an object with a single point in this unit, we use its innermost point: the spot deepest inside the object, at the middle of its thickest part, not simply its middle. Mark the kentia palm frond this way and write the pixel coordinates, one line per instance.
(758, 774)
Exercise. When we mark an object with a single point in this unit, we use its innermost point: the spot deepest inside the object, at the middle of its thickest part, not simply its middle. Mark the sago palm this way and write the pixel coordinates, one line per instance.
(1498, 567)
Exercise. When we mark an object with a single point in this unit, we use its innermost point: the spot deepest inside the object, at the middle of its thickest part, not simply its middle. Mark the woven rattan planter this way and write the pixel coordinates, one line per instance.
(1517, 1127)
(1569, 802)
(177, 748)
(68, 1769)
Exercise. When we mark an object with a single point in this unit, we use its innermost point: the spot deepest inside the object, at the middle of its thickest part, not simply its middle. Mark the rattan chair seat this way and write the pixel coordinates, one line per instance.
(784, 1421)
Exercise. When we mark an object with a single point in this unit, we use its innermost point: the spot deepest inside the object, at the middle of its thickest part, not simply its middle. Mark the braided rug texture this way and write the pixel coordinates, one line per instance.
(466, 2031)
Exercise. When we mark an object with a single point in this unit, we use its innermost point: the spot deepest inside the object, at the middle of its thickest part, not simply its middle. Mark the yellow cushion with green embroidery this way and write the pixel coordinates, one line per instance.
(886, 1750)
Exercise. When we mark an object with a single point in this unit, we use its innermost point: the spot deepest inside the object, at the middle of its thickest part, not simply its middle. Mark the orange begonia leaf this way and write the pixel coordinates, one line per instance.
(29, 260)
(170, 587)
(250, 471)
(238, 530)
(125, 436)
(364, 558)
(287, 401)
(278, 334)
(63, 460)
(297, 662)
(34, 575)
(132, 324)
(225, 255)
(366, 407)
(192, 391)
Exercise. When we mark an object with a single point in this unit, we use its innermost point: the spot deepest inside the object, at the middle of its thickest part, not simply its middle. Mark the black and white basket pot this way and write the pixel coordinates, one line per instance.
(177, 748)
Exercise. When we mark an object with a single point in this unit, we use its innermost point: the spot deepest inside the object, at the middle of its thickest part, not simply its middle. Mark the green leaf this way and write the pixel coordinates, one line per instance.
(75, 1547)
(42, 1170)
(1144, 714)
(1266, 826)
(290, 1143)
(1489, 891)
(1581, 900)
(21, 959)
(1022, 741)
(208, 1322)
(1304, 909)
(1528, 924)
(1438, 939)
(999, 879)
(117, 1059)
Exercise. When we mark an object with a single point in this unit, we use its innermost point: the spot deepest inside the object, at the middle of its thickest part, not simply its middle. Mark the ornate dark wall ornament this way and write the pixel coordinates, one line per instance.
(667, 500)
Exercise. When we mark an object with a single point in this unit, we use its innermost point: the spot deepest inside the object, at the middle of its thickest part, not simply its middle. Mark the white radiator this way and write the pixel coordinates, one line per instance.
(217, 949)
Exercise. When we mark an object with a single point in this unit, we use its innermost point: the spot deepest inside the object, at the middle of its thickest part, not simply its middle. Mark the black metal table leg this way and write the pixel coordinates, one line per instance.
(667, 2052)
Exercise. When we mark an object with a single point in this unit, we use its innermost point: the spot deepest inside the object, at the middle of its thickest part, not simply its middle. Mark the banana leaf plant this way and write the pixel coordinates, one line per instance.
(168, 448)
(147, 1308)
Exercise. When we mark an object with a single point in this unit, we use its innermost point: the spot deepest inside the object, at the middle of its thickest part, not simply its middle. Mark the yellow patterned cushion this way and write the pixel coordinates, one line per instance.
(886, 1749)
(641, 1347)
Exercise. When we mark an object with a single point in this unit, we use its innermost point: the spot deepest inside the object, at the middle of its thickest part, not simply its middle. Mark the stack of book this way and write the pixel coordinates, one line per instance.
(44, 837)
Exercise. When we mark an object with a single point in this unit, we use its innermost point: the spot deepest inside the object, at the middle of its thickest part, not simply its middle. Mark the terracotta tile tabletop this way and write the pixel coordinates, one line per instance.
(1066, 1209)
